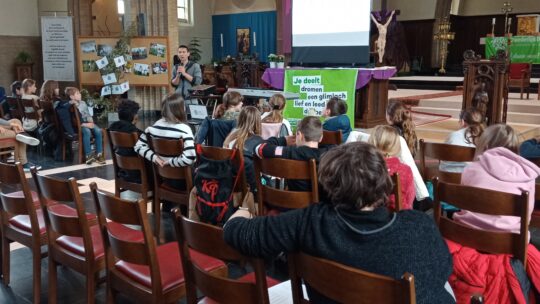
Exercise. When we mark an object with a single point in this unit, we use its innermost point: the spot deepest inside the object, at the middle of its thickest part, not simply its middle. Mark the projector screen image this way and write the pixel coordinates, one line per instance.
(330, 32)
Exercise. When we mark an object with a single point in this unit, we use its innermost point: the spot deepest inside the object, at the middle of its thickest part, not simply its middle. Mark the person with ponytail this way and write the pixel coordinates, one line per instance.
(399, 117)
(277, 106)
(471, 122)
(230, 108)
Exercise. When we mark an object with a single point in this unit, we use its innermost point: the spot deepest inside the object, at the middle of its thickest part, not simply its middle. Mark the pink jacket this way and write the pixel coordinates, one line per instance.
(502, 170)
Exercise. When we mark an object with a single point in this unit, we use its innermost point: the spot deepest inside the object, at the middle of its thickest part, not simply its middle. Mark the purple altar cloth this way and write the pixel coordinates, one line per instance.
(275, 77)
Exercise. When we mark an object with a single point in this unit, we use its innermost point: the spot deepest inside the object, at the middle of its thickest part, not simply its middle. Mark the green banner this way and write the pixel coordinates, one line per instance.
(522, 48)
(316, 87)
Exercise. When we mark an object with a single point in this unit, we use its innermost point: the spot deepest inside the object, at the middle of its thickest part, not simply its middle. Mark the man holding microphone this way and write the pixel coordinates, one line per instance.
(186, 74)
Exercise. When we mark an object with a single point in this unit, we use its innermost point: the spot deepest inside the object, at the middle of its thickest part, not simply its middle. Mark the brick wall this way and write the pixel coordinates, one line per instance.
(11, 46)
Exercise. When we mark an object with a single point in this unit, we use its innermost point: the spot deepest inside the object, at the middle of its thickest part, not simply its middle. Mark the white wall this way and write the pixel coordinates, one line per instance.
(48, 7)
(493, 7)
(413, 9)
(201, 28)
(223, 7)
(19, 18)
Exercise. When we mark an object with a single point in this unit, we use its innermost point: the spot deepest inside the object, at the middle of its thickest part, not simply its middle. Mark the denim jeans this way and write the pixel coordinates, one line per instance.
(86, 136)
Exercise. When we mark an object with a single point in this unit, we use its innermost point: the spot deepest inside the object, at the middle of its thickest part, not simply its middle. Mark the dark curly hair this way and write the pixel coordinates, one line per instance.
(127, 109)
(355, 176)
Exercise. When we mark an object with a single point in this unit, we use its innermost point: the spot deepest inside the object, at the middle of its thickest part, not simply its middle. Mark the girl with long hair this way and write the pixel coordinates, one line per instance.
(277, 105)
(229, 109)
(398, 116)
(50, 91)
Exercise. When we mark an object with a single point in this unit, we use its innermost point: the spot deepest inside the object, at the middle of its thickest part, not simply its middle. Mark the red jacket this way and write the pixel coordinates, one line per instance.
(406, 180)
(490, 275)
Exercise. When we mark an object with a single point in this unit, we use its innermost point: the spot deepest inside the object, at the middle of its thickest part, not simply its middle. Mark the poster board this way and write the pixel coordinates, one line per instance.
(57, 50)
(147, 63)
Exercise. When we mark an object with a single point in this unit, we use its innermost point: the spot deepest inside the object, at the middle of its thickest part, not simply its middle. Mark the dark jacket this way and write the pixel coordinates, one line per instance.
(377, 241)
(339, 123)
(133, 176)
(530, 149)
(214, 131)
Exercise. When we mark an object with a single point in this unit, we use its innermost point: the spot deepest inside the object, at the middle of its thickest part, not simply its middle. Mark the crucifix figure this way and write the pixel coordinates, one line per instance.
(381, 40)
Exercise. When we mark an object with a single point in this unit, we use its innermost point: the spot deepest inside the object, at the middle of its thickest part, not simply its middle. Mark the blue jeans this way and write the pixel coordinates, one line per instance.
(86, 135)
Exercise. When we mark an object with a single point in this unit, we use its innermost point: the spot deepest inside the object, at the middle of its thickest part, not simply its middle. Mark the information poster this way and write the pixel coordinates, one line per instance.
(58, 52)
(523, 49)
(316, 87)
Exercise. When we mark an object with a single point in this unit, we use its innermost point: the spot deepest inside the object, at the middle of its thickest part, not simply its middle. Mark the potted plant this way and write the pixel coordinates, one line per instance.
(272, 59)
(194, 49)
(280, 62)
(23, 65)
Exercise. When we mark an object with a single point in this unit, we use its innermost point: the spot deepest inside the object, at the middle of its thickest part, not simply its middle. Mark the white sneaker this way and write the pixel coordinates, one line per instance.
(29, 140)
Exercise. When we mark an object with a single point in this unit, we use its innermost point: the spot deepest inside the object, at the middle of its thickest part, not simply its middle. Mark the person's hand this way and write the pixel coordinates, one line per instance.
(181, 70)
(89, 125)
(15, 127)
(160, 162)
(291, 140)
(241, 212)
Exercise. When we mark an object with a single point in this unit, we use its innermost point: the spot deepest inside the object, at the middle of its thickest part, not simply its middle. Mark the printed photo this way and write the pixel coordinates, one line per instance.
(139, 53)
(159, 67)
(242, 41)
(141, 69)
(104, 50)
(88, 47)
(89, 66)
(157, 49)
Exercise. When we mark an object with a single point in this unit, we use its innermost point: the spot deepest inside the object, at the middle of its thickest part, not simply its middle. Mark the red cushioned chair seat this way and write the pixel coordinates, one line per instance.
(23, 222)
(170, 266)
(516, 70)
(249, 278)
(76, 245)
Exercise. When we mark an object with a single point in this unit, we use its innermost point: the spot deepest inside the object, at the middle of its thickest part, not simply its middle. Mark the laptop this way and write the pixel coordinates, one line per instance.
(198, 114)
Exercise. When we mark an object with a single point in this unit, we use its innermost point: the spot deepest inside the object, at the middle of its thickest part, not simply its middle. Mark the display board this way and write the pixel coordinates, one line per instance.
(523, 49)
(316, 87)
(146, 64)
(58, 53)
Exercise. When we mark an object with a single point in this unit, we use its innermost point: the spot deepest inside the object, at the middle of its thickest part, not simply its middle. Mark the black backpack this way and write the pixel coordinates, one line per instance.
(215, 184)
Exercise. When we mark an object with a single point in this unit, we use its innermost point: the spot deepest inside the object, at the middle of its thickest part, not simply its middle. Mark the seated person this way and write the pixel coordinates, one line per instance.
(275, 115)
(245, 137)
(353, 227)
(530, 149)
(471, 122)
(87, 128)
(386, 139)
(308, 136)
(400, 117)
(336, 117)
(498, 167)
(29, 92)
(127, 114)
(13, 129)
(230, 107)
(16, 91)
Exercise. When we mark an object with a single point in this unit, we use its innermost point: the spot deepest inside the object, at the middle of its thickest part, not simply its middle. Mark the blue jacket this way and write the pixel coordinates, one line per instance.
(341, 123)
(530, 149)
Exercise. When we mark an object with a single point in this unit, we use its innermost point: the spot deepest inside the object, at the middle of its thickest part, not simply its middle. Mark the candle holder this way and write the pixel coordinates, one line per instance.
(444, 35)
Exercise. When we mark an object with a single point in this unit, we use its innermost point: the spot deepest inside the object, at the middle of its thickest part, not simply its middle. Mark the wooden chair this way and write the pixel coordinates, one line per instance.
(331, 138)
(122, 140)
(74, 239)
(345, 284)
(444, 152)
(21, 221)
(396, 191)
(487, 202)
(30, 110)
(169, 148)
(520, 77)
(196, 237)
(535, 217)
(285, 169)
(138, 267)
(15, 108)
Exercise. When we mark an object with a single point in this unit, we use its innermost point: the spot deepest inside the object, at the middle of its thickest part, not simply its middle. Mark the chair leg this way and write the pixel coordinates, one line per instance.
(521, 93)
(52, 280)
(36, 260)
(157, 218)
(5, 260)
(90, 287)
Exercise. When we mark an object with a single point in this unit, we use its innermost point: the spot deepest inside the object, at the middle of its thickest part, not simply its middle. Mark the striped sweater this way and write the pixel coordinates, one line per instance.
(166, 130)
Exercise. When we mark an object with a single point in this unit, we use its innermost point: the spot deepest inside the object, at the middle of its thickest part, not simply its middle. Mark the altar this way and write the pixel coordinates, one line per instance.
(371, 96)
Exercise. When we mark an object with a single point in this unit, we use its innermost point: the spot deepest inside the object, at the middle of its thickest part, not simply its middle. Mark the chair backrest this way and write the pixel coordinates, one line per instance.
(123, 140)
(11, 178)
(48, 114)
(286, 169)
(30, 109)
(520, 70)
(331, 138)
(55, 195)
(444, 152)
(15, 108)
(216, 153)
(396, 191)
(169, 148)
(270, 130)
(208, 240)
(484, 201)
(112, 211)
(345, 284)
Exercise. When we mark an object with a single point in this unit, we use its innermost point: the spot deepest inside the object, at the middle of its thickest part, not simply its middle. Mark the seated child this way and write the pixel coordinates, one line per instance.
(87, 128)
(336, 117)
(308, 136)
(386, 139)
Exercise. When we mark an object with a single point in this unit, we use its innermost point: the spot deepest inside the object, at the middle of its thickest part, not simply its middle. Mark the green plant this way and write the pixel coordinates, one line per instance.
(194, 49)
(272, 58)
(280, 58)
(120, 49)
(23, 57)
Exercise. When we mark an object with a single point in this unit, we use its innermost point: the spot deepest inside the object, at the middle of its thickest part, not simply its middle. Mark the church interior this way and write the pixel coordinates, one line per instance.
(226, 151)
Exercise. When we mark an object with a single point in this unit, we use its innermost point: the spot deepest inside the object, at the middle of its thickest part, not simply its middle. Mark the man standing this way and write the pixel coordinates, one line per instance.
(186, 74)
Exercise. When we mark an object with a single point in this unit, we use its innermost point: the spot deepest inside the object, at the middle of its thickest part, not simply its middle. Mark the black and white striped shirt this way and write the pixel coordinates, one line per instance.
(166, 130)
